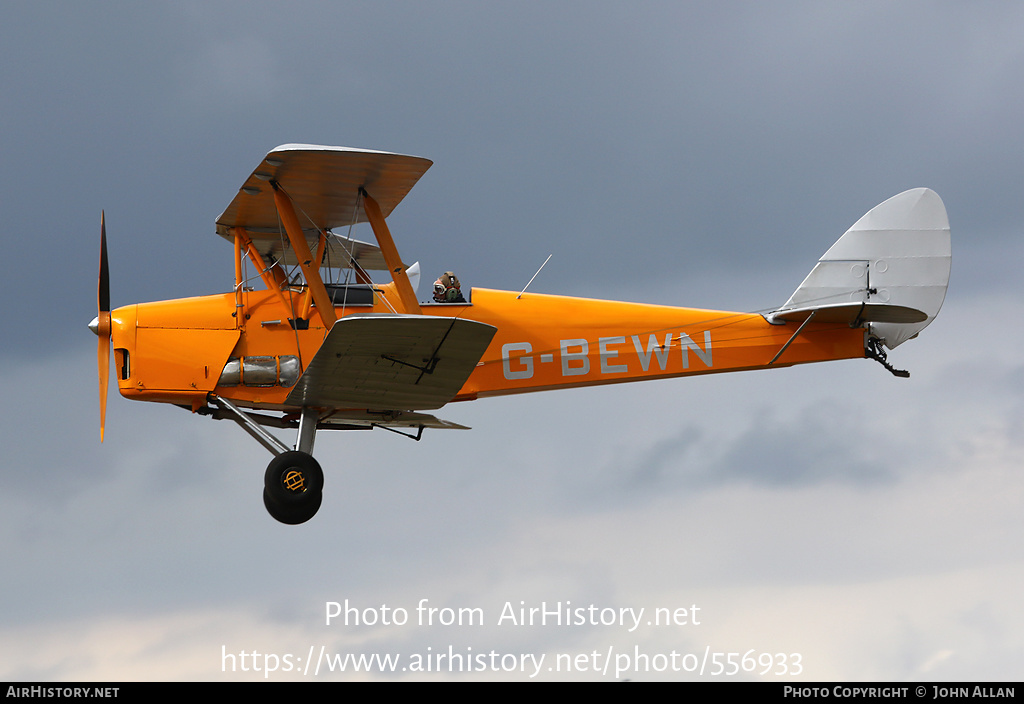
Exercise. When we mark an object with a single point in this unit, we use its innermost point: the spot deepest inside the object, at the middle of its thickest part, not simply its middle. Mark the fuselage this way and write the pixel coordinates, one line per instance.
(243, 347)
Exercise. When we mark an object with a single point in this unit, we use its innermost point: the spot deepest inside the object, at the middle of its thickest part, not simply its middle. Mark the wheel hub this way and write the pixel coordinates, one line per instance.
(294, 481)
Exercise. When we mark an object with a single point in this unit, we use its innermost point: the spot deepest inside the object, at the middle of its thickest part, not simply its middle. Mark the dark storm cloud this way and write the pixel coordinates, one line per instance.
(632, 143)
(824, 444)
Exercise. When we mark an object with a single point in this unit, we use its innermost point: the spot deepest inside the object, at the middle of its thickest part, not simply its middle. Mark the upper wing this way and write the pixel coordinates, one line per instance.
(323, 184)
(392, 362)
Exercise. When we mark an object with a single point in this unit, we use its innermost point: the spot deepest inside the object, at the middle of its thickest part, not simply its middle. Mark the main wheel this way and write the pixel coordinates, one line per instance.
(293, 515)
(293, 479)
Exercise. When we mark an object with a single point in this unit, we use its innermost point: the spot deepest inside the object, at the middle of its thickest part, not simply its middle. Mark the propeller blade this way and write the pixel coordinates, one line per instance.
(103, 324)
(103, 289)
(103, 359)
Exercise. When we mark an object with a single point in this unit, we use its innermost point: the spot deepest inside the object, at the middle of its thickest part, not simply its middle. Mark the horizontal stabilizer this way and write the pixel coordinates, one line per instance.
(888, 272)
(853, 314)
(392, 362)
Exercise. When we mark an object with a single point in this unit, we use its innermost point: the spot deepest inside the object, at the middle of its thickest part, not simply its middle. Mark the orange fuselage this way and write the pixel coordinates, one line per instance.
(176, 351)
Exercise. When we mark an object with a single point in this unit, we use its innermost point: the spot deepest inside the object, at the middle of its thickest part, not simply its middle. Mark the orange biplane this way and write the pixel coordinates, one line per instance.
(321, 346)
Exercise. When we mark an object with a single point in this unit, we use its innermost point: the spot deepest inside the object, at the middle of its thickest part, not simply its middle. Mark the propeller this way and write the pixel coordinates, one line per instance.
(101, 324)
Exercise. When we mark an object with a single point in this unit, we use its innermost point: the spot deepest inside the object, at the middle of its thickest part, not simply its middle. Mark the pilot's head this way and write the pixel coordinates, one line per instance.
(447, 288)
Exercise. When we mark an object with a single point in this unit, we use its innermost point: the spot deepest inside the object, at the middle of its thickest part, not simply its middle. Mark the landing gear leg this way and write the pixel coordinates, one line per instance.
(307, 430)
(294, 482)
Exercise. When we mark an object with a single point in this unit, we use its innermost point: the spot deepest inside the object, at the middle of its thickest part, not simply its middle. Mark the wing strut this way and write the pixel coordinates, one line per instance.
(310, 267)
(307, 297)
(390, 252)
(265, 271)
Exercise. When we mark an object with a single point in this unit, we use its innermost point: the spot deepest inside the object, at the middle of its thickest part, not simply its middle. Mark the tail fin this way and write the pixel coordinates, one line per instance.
(889, 272)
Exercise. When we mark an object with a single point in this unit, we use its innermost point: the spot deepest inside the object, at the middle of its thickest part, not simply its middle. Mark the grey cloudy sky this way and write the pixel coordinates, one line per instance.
(683, 153)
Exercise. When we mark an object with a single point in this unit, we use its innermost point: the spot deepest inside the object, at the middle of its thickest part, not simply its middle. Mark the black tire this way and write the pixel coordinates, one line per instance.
(293, 515)
(293, 479)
